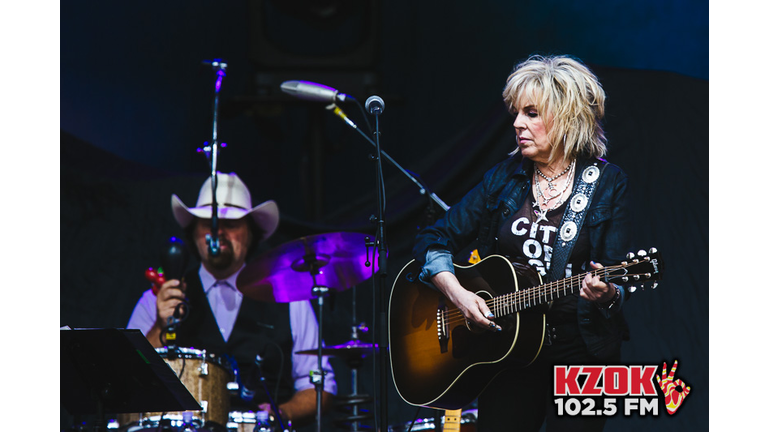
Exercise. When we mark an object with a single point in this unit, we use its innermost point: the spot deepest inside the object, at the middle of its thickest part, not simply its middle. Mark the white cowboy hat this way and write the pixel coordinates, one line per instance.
(234, 202)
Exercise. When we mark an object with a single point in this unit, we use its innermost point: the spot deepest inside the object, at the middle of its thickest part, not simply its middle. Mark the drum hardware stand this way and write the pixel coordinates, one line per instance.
(317, 377)
(355, 399)
(355, 362)
(212, 152)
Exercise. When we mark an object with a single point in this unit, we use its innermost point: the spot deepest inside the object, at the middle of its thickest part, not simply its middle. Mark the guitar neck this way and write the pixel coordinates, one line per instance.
(640, 268)
(525, 299)
(452, 420)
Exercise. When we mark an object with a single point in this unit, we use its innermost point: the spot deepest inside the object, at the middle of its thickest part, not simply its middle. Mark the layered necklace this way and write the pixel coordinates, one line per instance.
(540, 201)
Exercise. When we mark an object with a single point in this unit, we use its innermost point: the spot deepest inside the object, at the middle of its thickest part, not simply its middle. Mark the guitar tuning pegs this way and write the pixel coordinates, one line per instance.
(653, 250)
(625, 279)
(632, 289)
(630, 255)
(636, 277)
(641, 253)
(655, 284)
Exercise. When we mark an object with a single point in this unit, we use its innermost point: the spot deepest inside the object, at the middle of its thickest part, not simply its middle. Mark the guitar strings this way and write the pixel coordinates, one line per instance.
(516, 301)
(519, 300)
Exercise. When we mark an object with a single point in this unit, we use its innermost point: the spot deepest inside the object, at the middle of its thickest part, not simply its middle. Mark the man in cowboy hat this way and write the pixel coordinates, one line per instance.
(221, 320)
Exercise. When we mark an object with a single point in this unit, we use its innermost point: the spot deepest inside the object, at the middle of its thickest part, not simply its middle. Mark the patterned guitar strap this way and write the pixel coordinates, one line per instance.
(574, 216)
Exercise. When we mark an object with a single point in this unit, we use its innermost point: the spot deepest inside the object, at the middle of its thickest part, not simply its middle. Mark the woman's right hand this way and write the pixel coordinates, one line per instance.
(472, 306)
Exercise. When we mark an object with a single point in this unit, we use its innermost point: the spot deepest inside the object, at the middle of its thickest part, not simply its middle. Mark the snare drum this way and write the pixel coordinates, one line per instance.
(205, 376)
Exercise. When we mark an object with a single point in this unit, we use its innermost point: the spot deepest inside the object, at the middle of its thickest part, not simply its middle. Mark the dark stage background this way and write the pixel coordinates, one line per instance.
(136, 103)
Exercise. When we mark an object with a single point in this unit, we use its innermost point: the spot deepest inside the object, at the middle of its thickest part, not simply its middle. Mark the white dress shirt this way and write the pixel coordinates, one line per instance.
(225, 301)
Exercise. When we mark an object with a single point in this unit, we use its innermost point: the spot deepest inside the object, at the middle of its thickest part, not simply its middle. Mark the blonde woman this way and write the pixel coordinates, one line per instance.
(553, 205)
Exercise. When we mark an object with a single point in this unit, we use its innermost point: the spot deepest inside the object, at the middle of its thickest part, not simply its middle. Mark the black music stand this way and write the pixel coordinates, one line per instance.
(117, 371)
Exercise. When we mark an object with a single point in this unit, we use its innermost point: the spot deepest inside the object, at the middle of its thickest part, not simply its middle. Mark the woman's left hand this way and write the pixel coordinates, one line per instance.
(595, 290)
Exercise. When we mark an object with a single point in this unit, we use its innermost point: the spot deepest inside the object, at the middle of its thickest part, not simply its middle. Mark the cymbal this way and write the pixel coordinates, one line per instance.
(290, 272)
(353, 348)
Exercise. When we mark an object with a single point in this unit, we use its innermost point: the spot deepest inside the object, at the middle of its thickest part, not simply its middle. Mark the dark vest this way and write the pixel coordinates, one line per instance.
(262, 329)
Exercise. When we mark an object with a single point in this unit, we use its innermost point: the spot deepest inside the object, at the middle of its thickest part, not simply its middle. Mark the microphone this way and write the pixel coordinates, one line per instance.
(313, 91)
(174, 259)
(374, 105)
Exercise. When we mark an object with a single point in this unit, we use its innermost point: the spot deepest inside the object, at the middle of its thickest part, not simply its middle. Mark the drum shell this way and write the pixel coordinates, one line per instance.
(204, 376)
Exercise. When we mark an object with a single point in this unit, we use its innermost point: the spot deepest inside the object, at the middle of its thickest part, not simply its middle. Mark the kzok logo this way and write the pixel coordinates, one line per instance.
(616, 380)
(674, 390)
(576, 388)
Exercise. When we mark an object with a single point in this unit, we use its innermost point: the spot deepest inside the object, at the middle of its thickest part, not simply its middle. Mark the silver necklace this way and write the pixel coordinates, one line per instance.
(541, 212)
(550, 180)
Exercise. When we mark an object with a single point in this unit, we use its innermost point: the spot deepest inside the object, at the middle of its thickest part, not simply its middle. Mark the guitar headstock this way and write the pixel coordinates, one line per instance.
(642, 268)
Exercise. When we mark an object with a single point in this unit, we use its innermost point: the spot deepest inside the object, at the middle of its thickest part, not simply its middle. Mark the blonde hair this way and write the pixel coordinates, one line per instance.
(565, 90)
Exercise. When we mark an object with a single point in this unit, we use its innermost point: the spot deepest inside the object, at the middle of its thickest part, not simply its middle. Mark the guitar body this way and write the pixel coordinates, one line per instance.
(443, 363)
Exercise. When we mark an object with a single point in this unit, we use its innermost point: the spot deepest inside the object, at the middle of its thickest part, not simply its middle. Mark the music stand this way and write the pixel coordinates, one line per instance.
(117, 371)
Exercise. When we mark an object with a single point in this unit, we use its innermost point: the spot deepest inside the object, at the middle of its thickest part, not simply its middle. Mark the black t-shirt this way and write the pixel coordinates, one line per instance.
(525, 239)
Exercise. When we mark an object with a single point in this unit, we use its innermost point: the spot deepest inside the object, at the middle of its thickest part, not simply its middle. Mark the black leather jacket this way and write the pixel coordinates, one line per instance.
(476, 219)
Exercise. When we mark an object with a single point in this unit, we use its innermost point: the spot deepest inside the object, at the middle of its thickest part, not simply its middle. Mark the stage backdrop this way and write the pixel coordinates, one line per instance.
(136, 104)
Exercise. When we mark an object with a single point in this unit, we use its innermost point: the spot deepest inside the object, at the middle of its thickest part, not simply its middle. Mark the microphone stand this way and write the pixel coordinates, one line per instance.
(212, 238)
(380, 244)
(422, 188)
(381, 249)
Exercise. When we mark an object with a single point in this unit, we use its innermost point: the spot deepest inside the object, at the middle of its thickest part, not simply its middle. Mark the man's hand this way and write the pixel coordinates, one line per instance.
(673, 397)
(301, 409)
(170, 295)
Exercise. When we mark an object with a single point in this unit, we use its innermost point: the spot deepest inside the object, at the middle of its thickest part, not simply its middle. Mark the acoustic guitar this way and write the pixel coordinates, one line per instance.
(440, 360)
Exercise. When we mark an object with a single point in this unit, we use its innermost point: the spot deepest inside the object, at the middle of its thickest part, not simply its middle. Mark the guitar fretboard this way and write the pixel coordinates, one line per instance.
(514, 302)
(452, 421)
(644, 269)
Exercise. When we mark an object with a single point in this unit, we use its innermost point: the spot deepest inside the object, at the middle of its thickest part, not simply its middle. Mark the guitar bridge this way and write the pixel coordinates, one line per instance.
(443, 326)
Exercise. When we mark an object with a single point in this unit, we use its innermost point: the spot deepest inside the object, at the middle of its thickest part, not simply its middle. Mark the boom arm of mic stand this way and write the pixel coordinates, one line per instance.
(421, 186)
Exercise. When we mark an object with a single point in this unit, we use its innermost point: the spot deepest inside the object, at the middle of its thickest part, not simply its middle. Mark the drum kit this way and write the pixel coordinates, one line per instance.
(305, 269)
(309, 268)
